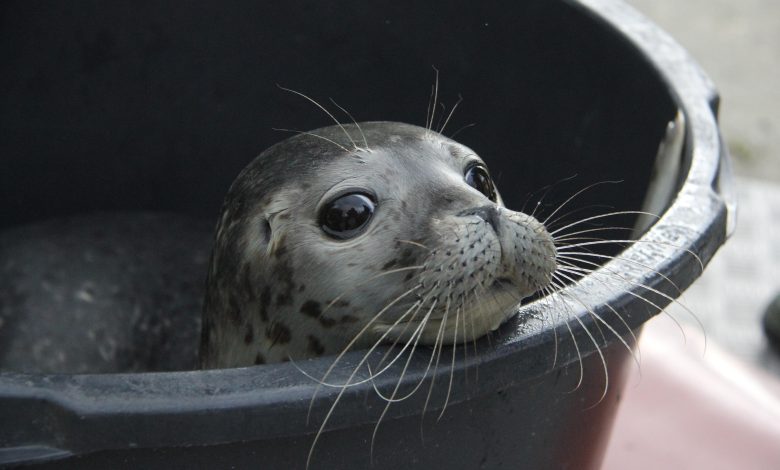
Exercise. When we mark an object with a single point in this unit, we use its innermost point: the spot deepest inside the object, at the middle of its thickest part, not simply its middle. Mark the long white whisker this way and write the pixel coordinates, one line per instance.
(553, 223)
(569, 315)
(392, 398)
(452, 365)
(649, 289)
(637, 355)
(313, 135)
(593, 340)
(416, 336)
(369, 279)
(601, 216)
(440, 344)
(355, 339)
(649, 268)
(460, 98)
(412, 242)
(462, 128)
(352, 375)
(605, 323)
(365, 142)
(325, 111)
(564, 248)
(586, 188)
(567, 236)
(411, 310)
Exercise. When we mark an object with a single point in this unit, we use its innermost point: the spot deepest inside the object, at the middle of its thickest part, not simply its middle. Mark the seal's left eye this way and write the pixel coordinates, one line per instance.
(478, 178)
(347, 216)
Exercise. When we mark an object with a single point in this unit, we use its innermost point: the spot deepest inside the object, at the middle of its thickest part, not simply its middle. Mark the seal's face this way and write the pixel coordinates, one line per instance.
(320, 247)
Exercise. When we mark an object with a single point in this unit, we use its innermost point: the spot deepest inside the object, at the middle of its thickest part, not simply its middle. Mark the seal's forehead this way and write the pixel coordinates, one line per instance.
(414, 140)
(314, 158)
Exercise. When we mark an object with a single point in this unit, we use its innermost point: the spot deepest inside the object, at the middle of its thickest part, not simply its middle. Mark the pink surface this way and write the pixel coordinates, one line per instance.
(691, 408)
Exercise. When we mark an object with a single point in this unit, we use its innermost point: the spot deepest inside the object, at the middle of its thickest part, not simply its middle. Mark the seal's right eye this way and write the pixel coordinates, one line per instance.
(478, 178)
(346, 216)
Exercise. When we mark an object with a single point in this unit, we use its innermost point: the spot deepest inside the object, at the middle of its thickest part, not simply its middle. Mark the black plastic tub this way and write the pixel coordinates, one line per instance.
(148, 106)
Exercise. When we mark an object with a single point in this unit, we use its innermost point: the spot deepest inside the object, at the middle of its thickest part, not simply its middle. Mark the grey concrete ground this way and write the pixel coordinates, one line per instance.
(737, 42)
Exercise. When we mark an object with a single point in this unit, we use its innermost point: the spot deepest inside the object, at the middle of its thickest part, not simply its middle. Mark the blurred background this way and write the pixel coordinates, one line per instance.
(738, 44)
(708, 393)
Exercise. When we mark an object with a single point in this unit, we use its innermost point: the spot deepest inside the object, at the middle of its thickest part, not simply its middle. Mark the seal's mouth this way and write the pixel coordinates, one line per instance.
(502, 281)
(454, 325)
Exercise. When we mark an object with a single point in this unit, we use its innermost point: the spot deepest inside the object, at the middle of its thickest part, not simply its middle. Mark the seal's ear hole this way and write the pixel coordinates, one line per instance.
(264, 230)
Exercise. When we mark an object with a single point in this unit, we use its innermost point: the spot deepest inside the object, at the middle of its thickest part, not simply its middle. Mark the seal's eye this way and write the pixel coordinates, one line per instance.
(346, 216)
(478, 178)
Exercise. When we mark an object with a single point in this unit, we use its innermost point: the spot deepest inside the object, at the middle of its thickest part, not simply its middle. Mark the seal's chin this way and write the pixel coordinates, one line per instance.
(453, 325)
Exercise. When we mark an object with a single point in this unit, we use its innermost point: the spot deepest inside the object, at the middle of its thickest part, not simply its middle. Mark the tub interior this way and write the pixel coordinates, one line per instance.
(137, 111)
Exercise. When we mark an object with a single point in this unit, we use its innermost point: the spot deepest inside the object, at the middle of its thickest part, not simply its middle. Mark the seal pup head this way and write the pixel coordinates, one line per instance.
(323, 245)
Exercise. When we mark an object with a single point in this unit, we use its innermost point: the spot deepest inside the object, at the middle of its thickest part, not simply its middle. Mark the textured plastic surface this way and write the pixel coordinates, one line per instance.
(153, 107)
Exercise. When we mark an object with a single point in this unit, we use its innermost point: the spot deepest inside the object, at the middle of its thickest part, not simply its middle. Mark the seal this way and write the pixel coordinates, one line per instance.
(325, 244)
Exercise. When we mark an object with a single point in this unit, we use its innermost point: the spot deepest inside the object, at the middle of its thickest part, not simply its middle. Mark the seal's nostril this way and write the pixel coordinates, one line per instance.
(490, 214)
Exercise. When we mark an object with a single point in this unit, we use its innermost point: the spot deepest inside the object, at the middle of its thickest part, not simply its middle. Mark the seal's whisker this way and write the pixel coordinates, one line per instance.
(440, 344)
(614, 275)
(637, 354)
(566, 237)
(593, 341)
(565, 248)
(369, 279)
(360, 129)
(414, 309)
(553, 233)
(428, 110)
(398, 337)
(400, 380)
(464, 342)
(412, 242)
(548, 300)
(315, 103)
(352, 374)
(546, 192)
(564, 242)
(517, 302)
(570, 314)
(474, 335)
(354, 340)
(434, 100)
(381, 366)
(411, 310)
(552, 224)
(536, 208)
(462, 128)
(454, 107)
(601, 320)
(443, 111)
(605, 270)
(574, 196)
(416, 336)
(576, 256)
(313, 135)
(452, 365)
